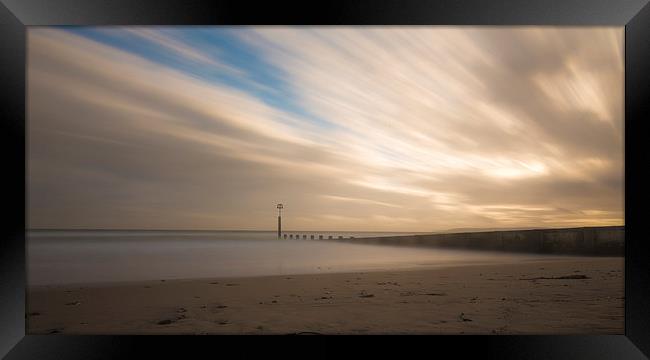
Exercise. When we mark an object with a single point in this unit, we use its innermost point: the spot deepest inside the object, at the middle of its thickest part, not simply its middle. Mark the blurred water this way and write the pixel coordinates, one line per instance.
(68, 257)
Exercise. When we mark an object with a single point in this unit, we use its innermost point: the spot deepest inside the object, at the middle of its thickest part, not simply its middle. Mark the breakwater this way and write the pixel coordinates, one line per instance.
(593, 241)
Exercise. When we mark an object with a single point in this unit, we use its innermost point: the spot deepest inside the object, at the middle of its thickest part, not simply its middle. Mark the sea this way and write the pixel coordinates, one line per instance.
(65, 257)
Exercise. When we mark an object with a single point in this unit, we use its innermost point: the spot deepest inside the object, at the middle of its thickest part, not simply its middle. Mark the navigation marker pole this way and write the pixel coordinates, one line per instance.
(280, 207)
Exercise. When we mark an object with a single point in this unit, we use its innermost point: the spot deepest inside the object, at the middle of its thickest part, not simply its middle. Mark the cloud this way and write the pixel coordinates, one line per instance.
(179, 48)
(357, 200)
(433, 128)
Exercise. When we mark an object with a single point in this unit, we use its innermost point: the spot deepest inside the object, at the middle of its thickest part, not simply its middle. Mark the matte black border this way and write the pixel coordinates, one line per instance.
(634, 14)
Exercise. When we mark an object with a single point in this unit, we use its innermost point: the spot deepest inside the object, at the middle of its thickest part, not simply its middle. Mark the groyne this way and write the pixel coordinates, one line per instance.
(588, 241)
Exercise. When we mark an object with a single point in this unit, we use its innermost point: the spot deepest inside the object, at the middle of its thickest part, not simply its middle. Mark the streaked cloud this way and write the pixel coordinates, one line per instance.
(357, 200)
(179, 48)
(369, 128)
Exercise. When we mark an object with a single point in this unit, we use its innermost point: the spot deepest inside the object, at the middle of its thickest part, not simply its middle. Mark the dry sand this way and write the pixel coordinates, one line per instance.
(523, 298)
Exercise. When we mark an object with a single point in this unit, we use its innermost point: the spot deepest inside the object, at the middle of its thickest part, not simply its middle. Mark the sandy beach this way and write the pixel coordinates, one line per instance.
(572, 295)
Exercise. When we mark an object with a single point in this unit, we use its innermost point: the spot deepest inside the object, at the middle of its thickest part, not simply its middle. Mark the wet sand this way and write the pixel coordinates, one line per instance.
(567, 296)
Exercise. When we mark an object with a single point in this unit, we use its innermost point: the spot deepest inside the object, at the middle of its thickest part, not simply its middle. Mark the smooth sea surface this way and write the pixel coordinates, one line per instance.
(57, 257)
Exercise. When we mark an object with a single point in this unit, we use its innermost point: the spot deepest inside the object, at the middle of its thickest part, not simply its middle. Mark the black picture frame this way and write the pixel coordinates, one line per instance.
(15, 15)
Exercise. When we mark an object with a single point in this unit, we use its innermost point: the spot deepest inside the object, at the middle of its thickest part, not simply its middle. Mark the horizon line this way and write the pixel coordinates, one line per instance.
(459, 230)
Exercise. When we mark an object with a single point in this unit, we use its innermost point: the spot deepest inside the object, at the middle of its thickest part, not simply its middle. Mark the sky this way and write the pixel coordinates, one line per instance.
(351, 128)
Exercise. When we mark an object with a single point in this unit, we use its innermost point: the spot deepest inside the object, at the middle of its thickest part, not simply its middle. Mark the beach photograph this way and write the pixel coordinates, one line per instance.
(325, 180)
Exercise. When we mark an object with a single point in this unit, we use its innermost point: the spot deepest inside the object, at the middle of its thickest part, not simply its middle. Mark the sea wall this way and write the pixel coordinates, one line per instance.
(598, 241)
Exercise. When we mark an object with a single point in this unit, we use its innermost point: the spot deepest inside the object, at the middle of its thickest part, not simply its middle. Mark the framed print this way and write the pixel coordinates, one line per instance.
(336, 168)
